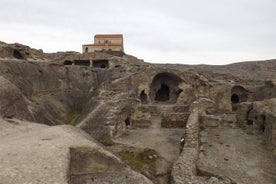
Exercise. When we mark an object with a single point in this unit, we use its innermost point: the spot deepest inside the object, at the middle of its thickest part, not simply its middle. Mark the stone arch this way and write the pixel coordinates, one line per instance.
(86, 49)
(238, 94)
(165, 88)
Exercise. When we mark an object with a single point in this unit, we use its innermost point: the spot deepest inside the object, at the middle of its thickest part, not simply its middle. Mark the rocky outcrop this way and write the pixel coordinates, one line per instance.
(260, 115)
(12, 101)
(35, 153)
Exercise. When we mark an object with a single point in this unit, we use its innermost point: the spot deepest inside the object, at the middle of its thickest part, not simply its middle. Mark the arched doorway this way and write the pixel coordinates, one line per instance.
(238, 94)
(163, 94)
(235, 99)
(164, 88)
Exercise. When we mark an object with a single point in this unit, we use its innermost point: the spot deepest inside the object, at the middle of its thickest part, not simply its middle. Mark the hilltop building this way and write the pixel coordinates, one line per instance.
(105, 42)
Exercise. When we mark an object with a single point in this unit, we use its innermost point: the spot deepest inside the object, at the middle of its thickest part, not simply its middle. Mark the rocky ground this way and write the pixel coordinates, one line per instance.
(239, 154)
(165, 141)
(35, 153)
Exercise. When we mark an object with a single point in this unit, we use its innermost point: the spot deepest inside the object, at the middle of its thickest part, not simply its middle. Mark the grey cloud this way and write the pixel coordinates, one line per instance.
(181, 28)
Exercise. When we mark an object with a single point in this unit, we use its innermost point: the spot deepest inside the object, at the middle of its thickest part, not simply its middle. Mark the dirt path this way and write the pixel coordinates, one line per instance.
(164, 140)
(238, 154)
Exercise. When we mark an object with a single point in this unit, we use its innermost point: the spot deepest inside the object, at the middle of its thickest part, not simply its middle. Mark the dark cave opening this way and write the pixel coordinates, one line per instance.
(17, 54)
(235, 99)
(143, 97)
(165, 88)
(82, 62)
(67, 62)
(263, 125)
(100, 63)
(127, 122)
(163, 94)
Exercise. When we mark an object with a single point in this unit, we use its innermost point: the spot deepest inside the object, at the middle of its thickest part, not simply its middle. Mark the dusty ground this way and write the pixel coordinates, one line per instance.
(238, 154)
(164, 140)
(40, 154)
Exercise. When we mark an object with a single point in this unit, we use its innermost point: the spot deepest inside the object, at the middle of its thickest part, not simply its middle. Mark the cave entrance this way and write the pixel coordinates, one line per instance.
(82, 62)
(127, 122)
(67, 62)
(238, 94)
(163, 94)
(165, 88)
(235, 99)
(17, 54)
(263, 123)
(143, 97)
(100, 63)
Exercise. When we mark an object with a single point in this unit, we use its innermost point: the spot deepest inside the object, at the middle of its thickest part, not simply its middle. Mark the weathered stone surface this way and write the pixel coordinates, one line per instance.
(126, 96)
(12, 102)
(265, 119)
(183, 173)
(243, 110)
(174, 120)
(210, 120)
(34, 153)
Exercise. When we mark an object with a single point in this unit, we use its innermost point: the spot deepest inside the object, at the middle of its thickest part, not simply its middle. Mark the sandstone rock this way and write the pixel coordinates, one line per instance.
(12, 102)
(243, 110)
(33, 153)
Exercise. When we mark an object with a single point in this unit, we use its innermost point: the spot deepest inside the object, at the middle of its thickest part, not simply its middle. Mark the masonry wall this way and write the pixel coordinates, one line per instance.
(118, 40)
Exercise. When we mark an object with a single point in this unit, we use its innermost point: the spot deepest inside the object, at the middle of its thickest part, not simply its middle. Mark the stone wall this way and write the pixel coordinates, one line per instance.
(174, 120)
(184, 169)
(260, 115)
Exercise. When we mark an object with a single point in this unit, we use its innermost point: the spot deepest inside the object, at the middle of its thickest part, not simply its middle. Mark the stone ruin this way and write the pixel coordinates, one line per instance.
(106, 97)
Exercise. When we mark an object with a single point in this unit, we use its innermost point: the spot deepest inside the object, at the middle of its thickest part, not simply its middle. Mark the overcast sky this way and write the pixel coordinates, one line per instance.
(159, 31)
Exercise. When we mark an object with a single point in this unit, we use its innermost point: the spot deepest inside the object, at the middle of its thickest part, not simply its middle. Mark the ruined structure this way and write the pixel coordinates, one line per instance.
(105, 42)
(138, 111)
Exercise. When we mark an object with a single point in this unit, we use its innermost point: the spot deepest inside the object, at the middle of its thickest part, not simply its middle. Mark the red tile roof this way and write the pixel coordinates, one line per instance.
(108, 36)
